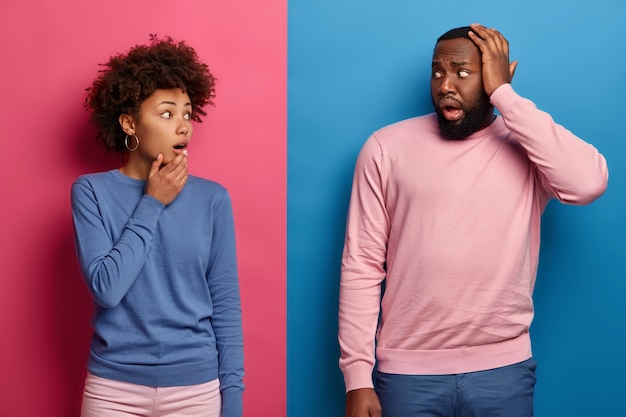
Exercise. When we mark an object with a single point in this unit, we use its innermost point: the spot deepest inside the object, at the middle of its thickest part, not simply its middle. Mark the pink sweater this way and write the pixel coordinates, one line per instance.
(454, 227)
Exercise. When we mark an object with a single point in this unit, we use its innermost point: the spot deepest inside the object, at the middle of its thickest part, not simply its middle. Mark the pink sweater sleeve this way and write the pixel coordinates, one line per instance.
(362, 270)
(569, 169)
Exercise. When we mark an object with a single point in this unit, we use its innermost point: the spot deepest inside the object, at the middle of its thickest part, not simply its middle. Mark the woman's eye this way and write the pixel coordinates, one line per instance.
(187, 116)
(166, 114)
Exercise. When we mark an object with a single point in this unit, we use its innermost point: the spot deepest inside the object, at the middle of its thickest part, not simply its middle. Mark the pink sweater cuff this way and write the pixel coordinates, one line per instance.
(358, 376)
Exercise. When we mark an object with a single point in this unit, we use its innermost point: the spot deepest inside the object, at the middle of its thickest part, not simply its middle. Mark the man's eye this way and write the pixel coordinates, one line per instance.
(166, 114)
(437, 74)
(463, 74)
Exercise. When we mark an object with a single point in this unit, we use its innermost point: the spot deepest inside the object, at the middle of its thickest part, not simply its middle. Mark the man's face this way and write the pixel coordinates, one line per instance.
(456, 88)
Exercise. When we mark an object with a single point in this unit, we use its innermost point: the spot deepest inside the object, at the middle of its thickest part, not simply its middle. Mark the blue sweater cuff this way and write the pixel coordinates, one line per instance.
(148, 210)
(232, 403)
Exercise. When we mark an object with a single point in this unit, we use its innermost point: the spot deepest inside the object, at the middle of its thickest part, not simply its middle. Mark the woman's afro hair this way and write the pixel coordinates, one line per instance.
(129, 78)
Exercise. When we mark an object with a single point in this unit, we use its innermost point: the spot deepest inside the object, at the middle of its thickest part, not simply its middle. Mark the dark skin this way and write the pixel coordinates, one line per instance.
(464, 75)
(163, 121)
(486, 60)
(461, 104)
(494, 48)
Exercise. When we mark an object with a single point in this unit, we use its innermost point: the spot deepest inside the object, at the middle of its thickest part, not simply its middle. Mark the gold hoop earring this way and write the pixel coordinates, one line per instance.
(126, 143)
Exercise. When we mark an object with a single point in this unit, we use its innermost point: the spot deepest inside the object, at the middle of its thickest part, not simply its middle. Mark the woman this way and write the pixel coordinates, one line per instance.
(157, 247)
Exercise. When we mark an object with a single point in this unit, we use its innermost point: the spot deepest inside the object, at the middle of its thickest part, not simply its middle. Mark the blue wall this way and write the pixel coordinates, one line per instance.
(355, 66)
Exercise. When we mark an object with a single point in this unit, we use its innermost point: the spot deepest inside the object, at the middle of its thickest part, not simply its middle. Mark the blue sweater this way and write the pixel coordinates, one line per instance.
(164, 281)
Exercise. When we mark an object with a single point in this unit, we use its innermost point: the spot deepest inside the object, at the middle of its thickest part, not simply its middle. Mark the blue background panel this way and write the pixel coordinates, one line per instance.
(355, 66)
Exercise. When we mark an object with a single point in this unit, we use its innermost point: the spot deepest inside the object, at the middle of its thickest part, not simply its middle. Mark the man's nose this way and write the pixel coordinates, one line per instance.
(446, 86)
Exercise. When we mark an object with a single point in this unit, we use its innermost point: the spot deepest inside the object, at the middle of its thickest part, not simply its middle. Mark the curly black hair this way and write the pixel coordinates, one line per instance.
(129, 78)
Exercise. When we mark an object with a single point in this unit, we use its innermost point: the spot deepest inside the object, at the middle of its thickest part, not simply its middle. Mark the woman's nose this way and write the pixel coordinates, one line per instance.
(183, 127)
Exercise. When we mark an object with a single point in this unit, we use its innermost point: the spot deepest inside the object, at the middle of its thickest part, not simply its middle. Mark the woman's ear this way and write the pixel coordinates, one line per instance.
(127, 123)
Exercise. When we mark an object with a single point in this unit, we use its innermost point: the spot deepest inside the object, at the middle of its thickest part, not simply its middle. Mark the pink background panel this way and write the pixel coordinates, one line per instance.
(50, 54)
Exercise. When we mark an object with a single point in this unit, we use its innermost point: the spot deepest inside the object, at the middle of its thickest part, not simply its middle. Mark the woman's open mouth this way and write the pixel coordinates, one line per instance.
(180, 148)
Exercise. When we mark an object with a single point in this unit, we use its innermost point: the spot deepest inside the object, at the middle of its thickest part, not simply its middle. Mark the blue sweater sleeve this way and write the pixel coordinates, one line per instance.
(111, 267)
(223, 284)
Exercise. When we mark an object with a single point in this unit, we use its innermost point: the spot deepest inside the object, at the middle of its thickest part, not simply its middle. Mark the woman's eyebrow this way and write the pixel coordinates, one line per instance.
(173, 103)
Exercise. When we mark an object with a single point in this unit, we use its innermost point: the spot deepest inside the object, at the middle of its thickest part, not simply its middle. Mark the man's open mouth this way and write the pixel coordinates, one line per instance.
(450, 109)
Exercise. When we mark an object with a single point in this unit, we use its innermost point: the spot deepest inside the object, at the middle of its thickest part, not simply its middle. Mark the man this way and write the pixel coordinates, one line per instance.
(445, 209)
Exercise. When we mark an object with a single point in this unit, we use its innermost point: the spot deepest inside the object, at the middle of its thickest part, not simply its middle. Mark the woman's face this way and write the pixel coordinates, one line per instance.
(163, 126)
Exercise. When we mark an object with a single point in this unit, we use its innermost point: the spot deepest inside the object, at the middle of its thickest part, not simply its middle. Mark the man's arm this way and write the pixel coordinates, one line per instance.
(362, 272)
(568, 168)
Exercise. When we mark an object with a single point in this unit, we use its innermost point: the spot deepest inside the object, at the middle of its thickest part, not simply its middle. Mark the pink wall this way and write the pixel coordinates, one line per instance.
(50, 52)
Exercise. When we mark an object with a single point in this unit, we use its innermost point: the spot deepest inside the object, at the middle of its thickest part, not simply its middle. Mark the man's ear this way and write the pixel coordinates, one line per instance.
(127, 123)
(512, 68)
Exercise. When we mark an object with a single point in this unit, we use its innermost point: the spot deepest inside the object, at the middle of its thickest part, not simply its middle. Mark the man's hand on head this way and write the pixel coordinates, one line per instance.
(494, 48)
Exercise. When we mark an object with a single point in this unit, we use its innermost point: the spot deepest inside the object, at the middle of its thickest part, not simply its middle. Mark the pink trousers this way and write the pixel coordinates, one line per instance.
(106, 398)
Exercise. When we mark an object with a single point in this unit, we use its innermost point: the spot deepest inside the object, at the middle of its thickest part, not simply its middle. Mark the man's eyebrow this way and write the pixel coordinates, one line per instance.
(454, 63)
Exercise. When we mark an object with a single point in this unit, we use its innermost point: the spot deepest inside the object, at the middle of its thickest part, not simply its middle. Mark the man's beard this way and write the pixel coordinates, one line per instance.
(475, 115)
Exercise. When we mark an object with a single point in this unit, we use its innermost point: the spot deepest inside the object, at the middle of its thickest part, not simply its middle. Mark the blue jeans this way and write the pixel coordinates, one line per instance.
(500, 392)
